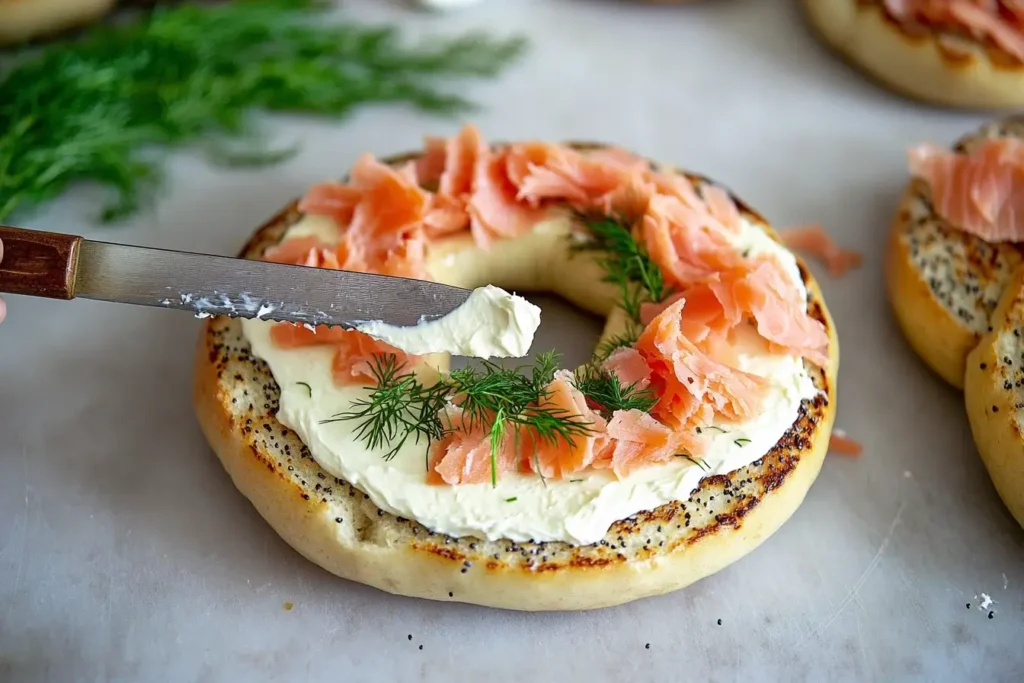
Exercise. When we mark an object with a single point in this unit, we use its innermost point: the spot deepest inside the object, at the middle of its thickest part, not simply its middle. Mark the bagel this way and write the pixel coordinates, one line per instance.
(944, 283)
(942, 65)
(22, 21)
(994, 396)
(339, 526)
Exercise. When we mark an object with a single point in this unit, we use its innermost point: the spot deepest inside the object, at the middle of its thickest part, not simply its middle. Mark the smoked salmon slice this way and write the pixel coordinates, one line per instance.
(636, 440)
(463, 456)
(629, 367)
(493, 210)
(980, 192)
(1001, 22)
(557, 458)
(814, 240)
(694, 386)
(843, 445)
(334, 200)
(295, 251)
(354, 351)
(781, 314)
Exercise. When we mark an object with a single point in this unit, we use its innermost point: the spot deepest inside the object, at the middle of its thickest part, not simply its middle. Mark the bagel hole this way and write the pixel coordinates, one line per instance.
(565, 328)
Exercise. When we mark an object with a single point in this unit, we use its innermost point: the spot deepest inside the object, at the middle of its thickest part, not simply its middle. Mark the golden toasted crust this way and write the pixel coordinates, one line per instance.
(994, 395)
(26, 20)
(924, 64)
(339, 528)
(943, 283)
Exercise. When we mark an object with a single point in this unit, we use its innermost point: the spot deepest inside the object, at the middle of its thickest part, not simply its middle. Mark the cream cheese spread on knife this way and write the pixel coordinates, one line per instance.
(491, 323)
(524, 507)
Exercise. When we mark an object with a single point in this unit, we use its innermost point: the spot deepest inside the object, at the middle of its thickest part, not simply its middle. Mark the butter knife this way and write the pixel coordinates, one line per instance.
(59, 266)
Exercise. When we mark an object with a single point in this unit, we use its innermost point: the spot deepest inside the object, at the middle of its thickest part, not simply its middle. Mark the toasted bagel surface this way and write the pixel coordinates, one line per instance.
(994, 396)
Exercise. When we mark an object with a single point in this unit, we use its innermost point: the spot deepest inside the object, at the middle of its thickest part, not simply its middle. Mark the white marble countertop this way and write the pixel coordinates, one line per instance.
(127, 555)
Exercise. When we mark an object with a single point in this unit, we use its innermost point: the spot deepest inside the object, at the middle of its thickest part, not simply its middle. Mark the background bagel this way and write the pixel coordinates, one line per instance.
(943, 284)
(22, 21)
(339, 528)
(949, 72)
(994, 395)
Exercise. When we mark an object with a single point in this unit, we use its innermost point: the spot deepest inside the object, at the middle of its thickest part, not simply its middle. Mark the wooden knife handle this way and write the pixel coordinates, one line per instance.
(38, 263)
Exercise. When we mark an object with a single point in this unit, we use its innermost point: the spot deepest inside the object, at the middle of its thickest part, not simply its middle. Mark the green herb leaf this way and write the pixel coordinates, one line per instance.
(699, 462)
(309, 389)
(625, 263)
(741, 442)
(511, 500)
(608, 392)
(97, 108)
(398, 408)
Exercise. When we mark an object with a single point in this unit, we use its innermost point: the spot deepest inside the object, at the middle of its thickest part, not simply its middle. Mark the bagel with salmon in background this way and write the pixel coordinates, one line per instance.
(953, 245)
(22, 21)
(692, 435)
(961, 53)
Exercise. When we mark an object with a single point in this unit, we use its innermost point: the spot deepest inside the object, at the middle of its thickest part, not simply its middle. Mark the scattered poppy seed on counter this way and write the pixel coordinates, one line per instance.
(421, 647)
(991, 615)
(719, 622)
(410, 636)
(647, 646)
(288, 606)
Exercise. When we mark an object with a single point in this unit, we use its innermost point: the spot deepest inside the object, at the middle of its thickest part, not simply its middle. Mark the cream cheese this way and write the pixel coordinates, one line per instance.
(491, 323)
(521, 507)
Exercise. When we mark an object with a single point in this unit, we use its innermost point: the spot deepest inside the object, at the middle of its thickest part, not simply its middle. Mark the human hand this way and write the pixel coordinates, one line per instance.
(3, 306)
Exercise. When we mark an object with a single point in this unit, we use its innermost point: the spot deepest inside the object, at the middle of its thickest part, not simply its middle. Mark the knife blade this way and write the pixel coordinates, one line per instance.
(59, 266)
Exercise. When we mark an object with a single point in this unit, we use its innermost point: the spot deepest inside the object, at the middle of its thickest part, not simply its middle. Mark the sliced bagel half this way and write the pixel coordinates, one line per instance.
(994, 395)
(944, 283)
(931, 64)
(338, 527)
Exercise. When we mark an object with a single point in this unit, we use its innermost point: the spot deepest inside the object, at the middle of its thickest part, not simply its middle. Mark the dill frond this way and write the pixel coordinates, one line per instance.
(607, 391)
(625, 263)
(100, 108)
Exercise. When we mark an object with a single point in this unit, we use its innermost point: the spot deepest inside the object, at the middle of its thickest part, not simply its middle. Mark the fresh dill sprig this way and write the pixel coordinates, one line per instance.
(607, 391)
(699, 462)
(397, 408)
(98, 107)
(625, 263)
(495, 399)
